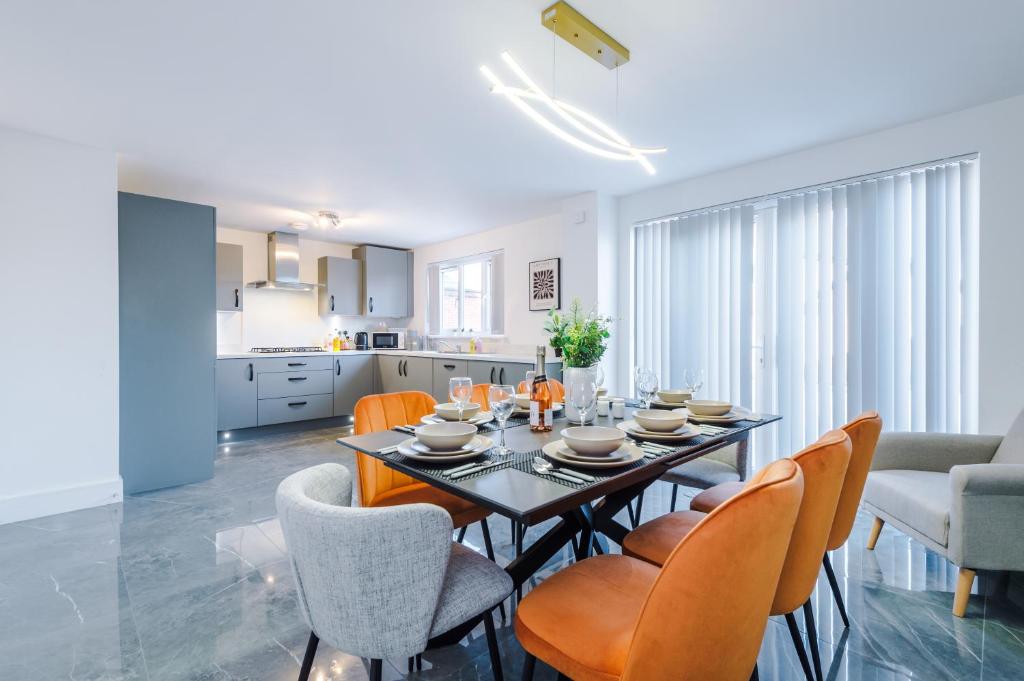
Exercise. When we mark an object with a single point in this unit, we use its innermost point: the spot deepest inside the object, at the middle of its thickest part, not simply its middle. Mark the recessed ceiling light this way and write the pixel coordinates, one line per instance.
(298, 226)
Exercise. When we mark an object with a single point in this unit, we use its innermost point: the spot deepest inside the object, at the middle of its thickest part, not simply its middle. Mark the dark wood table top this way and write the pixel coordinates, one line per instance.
(512, 489)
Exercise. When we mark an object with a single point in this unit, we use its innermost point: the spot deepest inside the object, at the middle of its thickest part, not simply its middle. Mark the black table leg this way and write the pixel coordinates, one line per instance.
(541, 551)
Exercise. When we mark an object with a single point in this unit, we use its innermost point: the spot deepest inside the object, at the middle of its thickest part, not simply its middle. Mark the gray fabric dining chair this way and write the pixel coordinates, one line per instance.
(381, 582)
(962, 496)
(728, 464)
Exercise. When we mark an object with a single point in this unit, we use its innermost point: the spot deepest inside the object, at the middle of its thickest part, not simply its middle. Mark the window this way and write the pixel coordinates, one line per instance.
(465, 295)
(820, 303)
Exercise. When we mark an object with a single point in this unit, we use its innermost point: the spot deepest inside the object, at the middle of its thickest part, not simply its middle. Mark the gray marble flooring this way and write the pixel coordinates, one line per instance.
(192, 583)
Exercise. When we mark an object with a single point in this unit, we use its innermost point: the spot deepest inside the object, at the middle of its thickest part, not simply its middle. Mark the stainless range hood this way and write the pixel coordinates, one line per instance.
(282, 264)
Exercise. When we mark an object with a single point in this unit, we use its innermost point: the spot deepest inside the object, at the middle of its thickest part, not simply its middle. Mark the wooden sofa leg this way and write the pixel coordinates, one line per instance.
(876, 530)
(963, 591)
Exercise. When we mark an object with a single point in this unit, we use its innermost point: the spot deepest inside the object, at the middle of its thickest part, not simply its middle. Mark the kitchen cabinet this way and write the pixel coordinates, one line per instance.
(399, 373)
(229, 278)
(340, 282)
(507, 373)
(445, 369)
(386, 281)
(236, 394)
(297, 408)
(353, 378)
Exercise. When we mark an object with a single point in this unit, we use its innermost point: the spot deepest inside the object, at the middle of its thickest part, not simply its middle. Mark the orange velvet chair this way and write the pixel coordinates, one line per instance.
(700, 616)
(480, 395)
(824, 466)
(383, 486)
(863, 431)
(557, 389)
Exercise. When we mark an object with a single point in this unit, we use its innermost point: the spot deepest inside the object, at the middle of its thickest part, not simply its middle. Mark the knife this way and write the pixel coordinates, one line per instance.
(469, 471)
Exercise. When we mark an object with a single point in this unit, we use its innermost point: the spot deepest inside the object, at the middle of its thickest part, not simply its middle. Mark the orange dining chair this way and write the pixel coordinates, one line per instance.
(700, 616)
(557, 389)
(383, 486)
(863, 431)
(824, 465)
(480, 395)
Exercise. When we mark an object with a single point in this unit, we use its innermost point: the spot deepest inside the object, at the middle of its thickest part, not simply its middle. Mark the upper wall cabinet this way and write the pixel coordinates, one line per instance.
(387, 281)
(229, 277)
(340, 282)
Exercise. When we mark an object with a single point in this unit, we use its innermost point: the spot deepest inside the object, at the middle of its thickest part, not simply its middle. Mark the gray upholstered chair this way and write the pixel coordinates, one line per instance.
(962, 496)
(728, 464)
(381, 582)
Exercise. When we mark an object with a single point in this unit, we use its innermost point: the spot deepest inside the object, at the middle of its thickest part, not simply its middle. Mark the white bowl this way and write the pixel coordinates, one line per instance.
(593, 440)
(674, 396)
(445, 437)
(523, 400)
(659, 420)
(449, 411)
(708, 407)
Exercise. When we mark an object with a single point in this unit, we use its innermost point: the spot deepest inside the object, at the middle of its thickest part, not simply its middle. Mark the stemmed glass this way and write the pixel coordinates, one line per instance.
(502, 399)
(582, 392)
(694, 380)
(460, 389)
(646, 385)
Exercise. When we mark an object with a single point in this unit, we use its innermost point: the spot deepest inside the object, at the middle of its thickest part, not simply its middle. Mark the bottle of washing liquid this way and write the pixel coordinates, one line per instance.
(336, 343)
(472, 345)
(346, 342)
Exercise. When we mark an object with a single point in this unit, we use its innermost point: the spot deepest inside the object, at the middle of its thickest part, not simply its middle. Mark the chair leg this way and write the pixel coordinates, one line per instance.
(462, 535)
(836, 593)
(492, 646)
(376, 670)
(307, 660)
(753, 674)
(412, 660)
(489, 548)
(419, 662)
(563, 677)
(640, 508)
(528, 664)
(876, 529)
(812, 639)
(963, 591)
(798, 643)
(675, 493)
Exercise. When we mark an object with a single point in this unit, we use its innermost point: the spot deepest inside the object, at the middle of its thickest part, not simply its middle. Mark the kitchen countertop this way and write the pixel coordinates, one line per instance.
(433, 354)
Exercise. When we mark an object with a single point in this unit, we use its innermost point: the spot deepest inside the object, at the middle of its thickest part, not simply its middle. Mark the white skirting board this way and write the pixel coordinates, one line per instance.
(61, 500)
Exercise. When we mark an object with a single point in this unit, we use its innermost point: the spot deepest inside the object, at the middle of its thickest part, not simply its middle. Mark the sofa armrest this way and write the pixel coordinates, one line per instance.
(935, 452)
(986, 507)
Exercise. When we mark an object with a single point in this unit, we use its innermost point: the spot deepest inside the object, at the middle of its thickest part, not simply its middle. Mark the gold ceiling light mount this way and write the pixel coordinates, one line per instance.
(568, 24)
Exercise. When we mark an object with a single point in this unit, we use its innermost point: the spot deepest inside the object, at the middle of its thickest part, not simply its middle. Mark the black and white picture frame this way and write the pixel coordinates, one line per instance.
(546, 284)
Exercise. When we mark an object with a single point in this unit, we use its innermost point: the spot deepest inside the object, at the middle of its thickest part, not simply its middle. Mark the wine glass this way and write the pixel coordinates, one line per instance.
(528, 380)
(582, 392)
(502, 399)
(694, 380)
(646, 385)
(460, 389)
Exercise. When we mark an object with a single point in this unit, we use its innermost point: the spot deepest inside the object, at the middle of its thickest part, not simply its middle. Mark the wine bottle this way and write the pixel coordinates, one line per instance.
(541, 414)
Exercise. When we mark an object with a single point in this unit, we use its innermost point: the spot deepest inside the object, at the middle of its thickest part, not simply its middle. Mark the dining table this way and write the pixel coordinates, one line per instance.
(510, 486)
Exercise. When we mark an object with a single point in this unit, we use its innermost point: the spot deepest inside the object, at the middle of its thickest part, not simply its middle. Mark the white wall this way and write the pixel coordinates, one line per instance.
(276, 317)
(58, 439)
(995, 131)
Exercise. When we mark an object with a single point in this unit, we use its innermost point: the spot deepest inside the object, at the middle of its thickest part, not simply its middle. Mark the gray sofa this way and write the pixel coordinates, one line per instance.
(962, 496)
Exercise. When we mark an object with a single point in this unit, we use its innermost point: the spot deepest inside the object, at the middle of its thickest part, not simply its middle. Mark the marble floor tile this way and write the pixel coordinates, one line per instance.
(193, 583)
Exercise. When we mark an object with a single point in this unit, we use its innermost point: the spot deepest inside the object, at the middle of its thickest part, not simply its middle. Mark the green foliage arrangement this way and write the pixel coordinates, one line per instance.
(579, 336)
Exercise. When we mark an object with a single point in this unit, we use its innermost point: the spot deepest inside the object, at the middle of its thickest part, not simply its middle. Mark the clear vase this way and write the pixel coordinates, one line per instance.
(583, 379)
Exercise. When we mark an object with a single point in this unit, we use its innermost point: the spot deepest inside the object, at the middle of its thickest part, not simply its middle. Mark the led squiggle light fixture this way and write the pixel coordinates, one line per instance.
(615, 146)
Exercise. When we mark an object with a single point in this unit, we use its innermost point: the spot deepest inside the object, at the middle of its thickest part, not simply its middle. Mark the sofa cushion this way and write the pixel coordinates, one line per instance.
(919, 499)
(1011, 449)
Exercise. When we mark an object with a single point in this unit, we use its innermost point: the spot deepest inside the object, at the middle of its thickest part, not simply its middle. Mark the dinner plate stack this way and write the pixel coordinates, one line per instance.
(734, 415)
(681, 434)
(478, 419)
(414, 449)
(626, 454)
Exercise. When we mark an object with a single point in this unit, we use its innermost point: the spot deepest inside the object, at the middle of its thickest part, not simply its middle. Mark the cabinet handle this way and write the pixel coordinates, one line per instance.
(296, 364)
(297, 404)
(297, 378)
(371, 303)
(250, 372)
(449, 367)
(501, 375)
(236, 298)
(492, 374)
(337, 366)
(405, 367)
(332, 303)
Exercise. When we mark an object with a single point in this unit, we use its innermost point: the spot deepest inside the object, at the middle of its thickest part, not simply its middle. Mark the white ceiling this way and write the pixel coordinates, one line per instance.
(377, 110)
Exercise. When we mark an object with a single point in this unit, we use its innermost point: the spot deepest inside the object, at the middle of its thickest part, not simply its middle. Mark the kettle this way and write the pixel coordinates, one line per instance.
(362, 341)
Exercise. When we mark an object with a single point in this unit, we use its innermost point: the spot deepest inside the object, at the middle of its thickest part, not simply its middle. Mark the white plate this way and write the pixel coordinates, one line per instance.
(737, 414)
(569, 453)
(555, 406)
(480, 419)
(634, 429)
(632, 453)
(661, 404)
(482, 444)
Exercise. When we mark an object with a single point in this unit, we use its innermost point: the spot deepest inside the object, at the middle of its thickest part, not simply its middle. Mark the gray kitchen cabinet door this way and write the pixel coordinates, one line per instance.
(387, 281)
(510, 373)
(353, 378)
(444, 369)
(341, 281)
(236, 394)
(229, 277)
(483, 372)
(418, 373)
(390, 373)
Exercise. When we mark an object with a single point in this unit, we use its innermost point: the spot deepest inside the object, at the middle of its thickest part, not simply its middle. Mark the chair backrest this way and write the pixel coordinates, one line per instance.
(480, 395)
(556, 387)
(374, 413)
(706, 614)
(367, 579)
(1011, 449)
(824, 465)
(863, 431)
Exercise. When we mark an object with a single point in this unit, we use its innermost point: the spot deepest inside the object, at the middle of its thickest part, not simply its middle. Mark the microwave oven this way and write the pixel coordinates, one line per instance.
(387, 340)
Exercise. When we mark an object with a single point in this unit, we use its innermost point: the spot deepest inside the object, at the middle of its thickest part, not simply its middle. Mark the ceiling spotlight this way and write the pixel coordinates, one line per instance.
(298, 226)
(327, 219)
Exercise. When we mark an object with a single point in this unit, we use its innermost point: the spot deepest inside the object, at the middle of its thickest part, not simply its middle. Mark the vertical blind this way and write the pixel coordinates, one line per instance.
(827, 302)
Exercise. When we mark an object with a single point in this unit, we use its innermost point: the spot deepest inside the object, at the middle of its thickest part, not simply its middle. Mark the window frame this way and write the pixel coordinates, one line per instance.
(486, 262)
